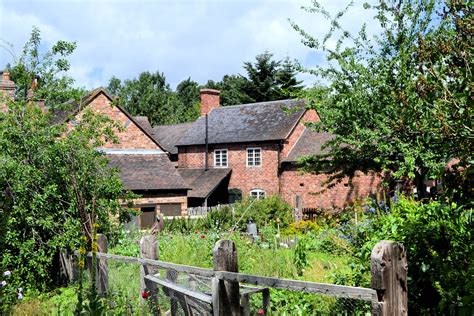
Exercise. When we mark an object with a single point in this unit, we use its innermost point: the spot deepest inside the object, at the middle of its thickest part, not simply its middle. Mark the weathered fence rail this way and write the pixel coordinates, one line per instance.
(203, 211)
(226, 293)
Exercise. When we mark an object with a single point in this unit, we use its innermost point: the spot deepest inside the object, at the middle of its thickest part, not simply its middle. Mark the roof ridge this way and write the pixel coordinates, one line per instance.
(256, 103)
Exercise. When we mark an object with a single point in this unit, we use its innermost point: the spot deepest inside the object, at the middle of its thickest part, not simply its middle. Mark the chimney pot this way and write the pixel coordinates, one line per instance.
(210, 99)
(7, 87)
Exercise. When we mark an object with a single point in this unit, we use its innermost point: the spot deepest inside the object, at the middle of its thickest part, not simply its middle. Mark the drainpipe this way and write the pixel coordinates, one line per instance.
(206, 166)
(279, 173)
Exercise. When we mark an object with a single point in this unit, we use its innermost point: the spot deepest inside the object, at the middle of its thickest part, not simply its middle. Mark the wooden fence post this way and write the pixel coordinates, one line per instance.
(389, 278)
(148, 250)
(102, 281)
(225, 294)
(69, 270)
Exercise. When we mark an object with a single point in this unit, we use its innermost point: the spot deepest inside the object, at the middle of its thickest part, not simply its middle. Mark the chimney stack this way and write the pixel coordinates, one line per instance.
(210, 99)
(7, 87)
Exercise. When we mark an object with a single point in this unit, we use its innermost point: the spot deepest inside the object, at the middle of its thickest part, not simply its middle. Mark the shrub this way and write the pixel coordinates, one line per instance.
(439, 242)
(263, 212)
(300, 256)
(301, 227)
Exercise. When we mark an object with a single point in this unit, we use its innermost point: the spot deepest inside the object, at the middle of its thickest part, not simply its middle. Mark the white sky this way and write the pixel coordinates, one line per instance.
(198, 39)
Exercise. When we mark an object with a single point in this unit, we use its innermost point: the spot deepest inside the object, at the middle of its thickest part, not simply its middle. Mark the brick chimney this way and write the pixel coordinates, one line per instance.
(7, 87)
(210, 99)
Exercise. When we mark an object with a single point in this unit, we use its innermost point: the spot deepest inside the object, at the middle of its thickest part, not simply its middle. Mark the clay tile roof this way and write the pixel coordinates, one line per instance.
(169, 135)
(203, 182)
(147, 172)
(246, 123)
(309, 143)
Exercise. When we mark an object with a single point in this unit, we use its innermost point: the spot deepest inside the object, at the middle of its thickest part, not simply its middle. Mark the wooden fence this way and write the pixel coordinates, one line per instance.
(228, 295)
(201, 211)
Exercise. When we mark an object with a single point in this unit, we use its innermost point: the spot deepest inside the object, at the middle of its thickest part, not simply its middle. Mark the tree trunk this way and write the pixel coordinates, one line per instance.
(420, 177)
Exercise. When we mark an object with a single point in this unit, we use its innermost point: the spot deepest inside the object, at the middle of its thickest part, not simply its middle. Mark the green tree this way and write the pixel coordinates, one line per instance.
(53, 183)
(232, 89)
(188, 91)
(289, 86)
(400, 101)
(115, 84)
(188, 95)
(262, 78)
(48, 71)
(150, 95)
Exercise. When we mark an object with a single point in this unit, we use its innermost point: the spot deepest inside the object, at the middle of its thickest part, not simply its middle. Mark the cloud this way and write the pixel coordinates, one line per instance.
(198, 39)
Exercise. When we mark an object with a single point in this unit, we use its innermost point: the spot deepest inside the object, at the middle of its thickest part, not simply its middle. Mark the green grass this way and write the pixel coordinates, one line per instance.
(195, 249)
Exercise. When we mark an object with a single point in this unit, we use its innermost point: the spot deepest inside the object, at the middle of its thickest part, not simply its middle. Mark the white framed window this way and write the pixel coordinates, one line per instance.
(254, 157)
(220, 158)
(257, 194)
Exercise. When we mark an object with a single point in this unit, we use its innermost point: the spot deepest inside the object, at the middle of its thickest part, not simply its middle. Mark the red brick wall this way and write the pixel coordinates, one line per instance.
(210, 99)
(309, 116)
(132, 137)
(295, 183)
(191, 157)
(245, 178)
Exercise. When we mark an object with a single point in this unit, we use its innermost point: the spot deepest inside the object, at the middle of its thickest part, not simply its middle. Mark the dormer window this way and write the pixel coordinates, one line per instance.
(220, 158)
(254, 157)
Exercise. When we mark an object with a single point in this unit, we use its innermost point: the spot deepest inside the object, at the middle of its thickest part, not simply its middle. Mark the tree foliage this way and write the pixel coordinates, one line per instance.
(262, 78)
(46, 70)
(54, 185)
(400, 101)
(288, 85)
(232, 89)
(439, 241)
(150, 95)
(266, 79)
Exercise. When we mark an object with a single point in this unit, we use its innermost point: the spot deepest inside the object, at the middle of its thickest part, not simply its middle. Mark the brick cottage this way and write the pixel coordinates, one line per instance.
(144, 165)
(227, 153)
(255, 148)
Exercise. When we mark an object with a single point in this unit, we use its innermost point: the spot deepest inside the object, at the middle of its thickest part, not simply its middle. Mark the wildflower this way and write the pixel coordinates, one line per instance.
(196, 232)
(372, 210)
(203, 236)
(260, 312)
(7, 273)
(3, 283)
(81, 263)
(145, 294)
(395, 198)
(20, 296)
(95, 247)
(82, 250)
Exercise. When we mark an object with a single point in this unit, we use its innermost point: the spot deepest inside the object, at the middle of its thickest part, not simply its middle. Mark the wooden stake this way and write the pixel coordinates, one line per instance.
(102, 281)
(225, 294)
(148, 250)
